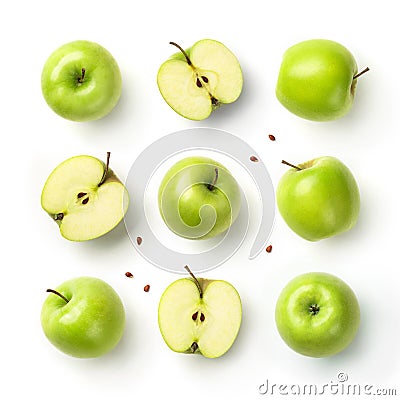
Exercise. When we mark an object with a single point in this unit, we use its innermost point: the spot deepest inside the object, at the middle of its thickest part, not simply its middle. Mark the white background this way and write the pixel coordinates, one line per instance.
(35, 140)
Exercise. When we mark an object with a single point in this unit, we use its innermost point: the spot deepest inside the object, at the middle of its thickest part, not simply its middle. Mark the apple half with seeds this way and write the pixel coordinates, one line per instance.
(200, 316)
(196, 81)
(85, 198)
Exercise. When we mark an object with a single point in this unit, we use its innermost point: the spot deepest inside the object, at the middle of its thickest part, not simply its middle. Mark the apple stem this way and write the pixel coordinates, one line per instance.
(361, 73)
(183, 52)
(82, 77)
(211, 186)
(58, 294)
(292, 165)
(195, 280)
(106, 169)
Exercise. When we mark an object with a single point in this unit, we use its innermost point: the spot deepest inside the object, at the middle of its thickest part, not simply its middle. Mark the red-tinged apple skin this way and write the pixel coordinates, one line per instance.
(315, 80)
(317, 314)
(321, 200)
(73, 97)
(92, 322)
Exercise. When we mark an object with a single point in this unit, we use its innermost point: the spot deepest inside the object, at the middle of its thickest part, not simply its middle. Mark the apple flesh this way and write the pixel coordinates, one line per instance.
(317, 80)
(81, 81)
(199, 198)
(83, 317)
(317, 314)
(196, 81)
(200, 316)
(85, 198)
(319, 199)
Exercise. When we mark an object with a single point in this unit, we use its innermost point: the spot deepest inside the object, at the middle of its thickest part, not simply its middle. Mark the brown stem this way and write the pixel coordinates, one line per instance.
(291, 165)
(361, 73)
(82, 77)
(195, 280)
(58, 294)
(211, 186)
(106, 169)
(183, 52)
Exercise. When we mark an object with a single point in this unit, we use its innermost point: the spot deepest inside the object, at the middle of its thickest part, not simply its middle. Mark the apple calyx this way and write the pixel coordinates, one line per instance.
(361, 73)
(200, 80)
(292, 165)
(314, 309)
(58, 294)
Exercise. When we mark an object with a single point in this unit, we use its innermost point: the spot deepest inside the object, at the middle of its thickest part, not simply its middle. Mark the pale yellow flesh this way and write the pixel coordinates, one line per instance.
(107, 203)
(221, 307)
(177, 79)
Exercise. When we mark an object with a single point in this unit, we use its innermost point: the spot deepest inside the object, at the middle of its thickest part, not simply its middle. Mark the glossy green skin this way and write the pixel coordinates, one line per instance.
(90, 324)
(331, 329)
(320, 201)
(183, 192)
(100, 90)
(316, 81)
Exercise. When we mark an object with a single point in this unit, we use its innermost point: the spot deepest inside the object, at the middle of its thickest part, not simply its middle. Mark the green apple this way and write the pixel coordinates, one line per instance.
(194, 82)
(317, 80)
(200, 316)
(83, 317)
(81, 81)
(199, 198)
(84, 197)
(319, 198)
(317, 314)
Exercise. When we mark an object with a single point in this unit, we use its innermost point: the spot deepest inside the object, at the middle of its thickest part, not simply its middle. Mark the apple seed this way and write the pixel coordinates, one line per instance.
(254, 159)
(271, 137)
(81, 194)
(198, 83)
(205, 79)
(146, 288)
(202, 317)
(139, 240)
(195, 315)
(269, 249)
(129, 274)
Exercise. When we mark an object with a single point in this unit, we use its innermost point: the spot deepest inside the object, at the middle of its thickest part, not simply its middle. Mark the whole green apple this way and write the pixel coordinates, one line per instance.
(81, 81)
(83, 317)
(319, 198)
(317, 80)
(317, 314)
(199, 198)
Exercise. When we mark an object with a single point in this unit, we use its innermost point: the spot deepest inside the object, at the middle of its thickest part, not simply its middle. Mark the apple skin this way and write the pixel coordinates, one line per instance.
(320, 201)
(90, 324)
(315, 80)
(183, 193)
(96, 95)
(331, 329)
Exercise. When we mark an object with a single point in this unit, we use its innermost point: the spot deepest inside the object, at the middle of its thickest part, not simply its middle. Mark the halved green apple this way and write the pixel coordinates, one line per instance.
(200, 316)
(84, 197)
(194, 82)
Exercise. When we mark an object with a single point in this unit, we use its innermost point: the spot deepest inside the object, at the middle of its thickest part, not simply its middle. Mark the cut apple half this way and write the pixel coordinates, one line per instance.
(196, 81)
(200, 316)
(85, 198)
